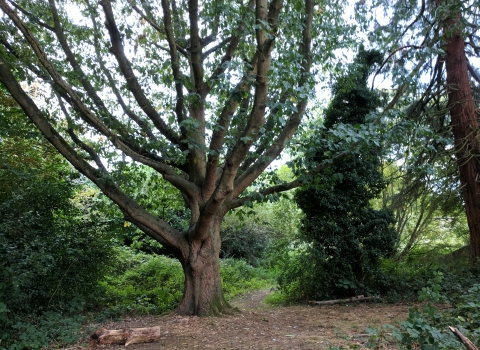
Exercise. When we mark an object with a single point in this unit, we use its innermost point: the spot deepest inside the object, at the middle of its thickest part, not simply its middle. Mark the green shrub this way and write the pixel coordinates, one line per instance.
(143, 283)
(51, 328)
(52, 256)
(247, 241)
(404, 280)
(239, 277)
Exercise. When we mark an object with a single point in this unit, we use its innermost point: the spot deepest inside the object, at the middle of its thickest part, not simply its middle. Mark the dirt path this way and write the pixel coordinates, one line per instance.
(261, 326)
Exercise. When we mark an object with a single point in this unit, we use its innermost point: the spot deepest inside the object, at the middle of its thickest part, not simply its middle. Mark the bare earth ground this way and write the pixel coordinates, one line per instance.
(261, 326)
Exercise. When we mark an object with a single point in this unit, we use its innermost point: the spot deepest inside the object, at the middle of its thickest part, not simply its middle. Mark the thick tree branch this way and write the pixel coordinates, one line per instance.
(293, 122)
(223, 124)
(177, 76)
(89, 116)
(132, 82)
(99, 177)
(256, 117)
(197, 155)
(196, 50)
(465, 341)
(268, 125)
(287, 186)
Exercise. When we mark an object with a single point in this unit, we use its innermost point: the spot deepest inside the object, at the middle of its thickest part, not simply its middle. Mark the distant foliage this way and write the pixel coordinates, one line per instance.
(248, 241)
(342, 238)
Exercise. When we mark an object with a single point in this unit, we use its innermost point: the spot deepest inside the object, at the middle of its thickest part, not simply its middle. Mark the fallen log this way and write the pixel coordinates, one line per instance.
(467, 342)
(339, 301)
(125, 336)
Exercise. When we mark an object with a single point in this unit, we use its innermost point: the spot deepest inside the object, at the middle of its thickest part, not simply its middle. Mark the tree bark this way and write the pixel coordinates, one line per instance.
(203, 294)
(465, 127)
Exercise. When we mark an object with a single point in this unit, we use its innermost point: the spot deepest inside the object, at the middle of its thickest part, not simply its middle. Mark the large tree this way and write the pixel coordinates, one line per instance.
(207, 95)
(463, 113)
(431, 45)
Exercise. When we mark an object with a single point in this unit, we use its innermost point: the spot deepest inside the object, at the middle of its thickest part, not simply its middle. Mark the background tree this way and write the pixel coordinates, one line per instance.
(428, 210)
(344, 237)
(463, 113)
(436, 40)
(207, 95)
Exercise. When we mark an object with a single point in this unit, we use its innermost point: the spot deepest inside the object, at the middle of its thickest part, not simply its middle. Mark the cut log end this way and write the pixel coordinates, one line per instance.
(125, 336)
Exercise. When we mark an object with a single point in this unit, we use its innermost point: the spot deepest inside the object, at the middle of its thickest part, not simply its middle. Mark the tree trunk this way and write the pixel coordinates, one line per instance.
(203, 294)
(465, 128)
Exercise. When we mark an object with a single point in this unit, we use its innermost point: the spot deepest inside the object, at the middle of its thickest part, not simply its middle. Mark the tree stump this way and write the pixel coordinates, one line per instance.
(125, 336)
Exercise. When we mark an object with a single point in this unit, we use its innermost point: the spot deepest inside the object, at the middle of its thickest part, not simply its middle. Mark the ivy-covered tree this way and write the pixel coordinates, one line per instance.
(207, 94)
(344, 237)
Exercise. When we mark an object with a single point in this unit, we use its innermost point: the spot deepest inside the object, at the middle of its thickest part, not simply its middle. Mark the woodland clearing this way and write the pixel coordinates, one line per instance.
(263, 326)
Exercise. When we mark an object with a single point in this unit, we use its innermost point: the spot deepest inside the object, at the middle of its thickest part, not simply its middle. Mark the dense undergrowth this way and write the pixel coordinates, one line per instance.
(448, 295)
(141, 283)
(153, 284)
(451, 299)
(136, 283)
